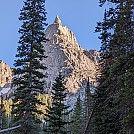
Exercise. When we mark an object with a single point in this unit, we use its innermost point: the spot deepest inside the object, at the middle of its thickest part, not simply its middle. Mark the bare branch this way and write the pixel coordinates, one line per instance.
(9, 129)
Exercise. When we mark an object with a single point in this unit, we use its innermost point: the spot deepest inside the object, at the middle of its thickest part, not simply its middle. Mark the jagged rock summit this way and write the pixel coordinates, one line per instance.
(65, 54)
(57, 20)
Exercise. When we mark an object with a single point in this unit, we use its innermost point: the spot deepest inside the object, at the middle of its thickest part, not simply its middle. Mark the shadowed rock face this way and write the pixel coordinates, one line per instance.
(65, 54)
(93, 55)
(5, 74)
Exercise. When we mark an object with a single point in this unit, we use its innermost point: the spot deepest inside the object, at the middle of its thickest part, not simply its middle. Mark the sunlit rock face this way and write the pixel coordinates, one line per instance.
(65, 55)
(5, 79)
(5, 74)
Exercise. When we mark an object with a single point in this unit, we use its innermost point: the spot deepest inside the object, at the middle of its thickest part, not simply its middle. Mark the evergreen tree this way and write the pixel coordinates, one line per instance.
(88, 101)
(56, 123)
(28, 81)
(105, 117)
(87, 106)
(123, 68)
(77, 117)
(115, 87)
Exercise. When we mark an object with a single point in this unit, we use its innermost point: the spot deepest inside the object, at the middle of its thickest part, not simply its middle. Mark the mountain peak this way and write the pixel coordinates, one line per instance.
(57, 20)
(64, 53)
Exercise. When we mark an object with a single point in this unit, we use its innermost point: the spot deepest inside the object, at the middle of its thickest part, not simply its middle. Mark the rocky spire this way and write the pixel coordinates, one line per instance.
(65, 54)
(57, 20)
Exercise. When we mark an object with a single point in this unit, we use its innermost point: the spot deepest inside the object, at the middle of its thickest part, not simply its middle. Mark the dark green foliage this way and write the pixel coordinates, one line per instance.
(123, 67)
(28, 80)
(114, 108)
(56, 122)
(77, 117)
(105, 119)
(88, 105)
(88, 102)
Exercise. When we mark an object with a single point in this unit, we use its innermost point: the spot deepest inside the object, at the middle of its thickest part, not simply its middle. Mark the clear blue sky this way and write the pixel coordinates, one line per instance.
(80, 16)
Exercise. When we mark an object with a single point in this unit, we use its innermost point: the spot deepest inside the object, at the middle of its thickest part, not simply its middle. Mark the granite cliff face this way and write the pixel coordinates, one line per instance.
(65, 54)
(5, 79)
(5, 74)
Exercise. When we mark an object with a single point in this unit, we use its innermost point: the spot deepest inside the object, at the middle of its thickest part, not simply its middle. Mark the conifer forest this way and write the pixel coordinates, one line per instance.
(107, 108)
